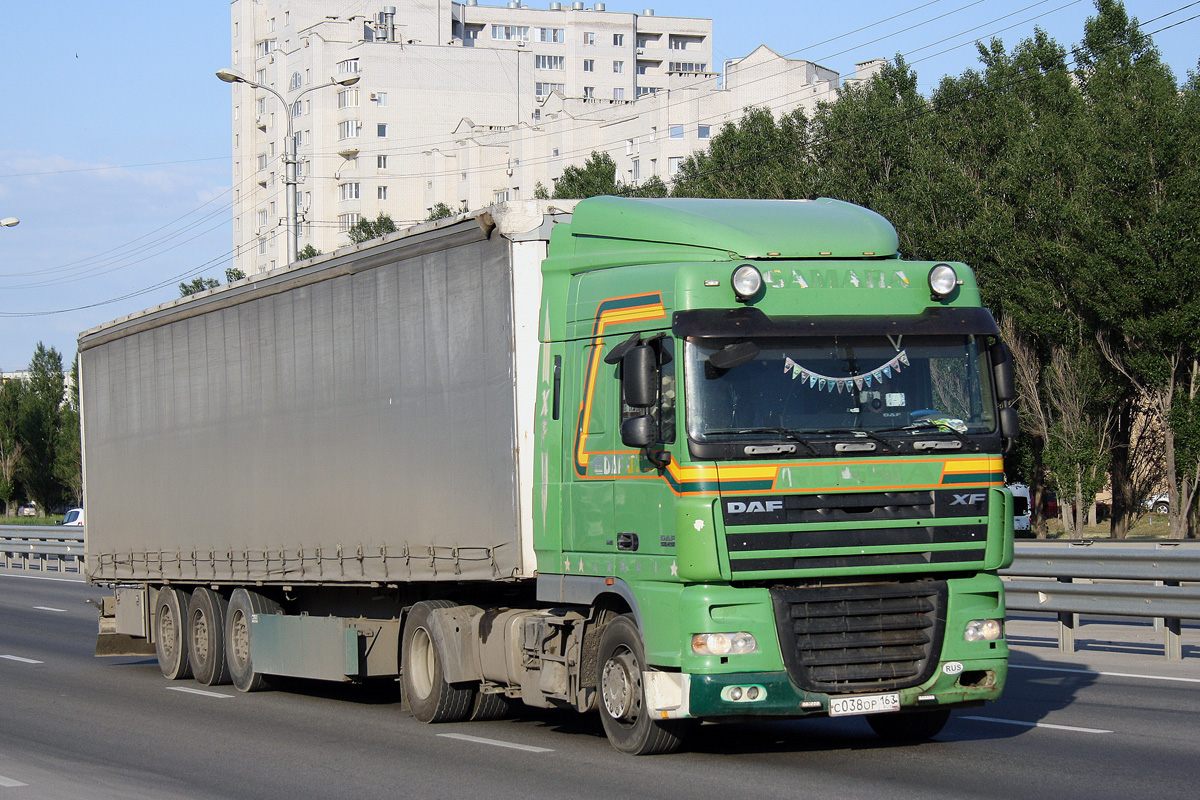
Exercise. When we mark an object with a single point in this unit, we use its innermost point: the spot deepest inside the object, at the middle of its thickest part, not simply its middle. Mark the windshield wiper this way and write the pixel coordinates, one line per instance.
(787, 433)
(933, 427)
(858, 433)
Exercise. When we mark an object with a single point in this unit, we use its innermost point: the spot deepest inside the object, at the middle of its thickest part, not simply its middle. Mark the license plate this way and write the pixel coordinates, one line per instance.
(863, 704)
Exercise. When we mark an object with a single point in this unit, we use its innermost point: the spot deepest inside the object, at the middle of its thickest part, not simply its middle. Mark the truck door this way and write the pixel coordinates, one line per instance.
(591, 442)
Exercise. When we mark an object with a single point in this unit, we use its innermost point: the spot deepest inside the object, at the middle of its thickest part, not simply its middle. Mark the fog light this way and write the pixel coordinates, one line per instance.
(723, 644)
(747, 282)
(983, 630)
(942, 281)
(735, 693)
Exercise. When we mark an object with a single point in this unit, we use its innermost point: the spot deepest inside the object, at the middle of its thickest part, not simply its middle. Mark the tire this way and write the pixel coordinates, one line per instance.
(912, 726)
(627, 722)
(423, 686)
(243, 605)
(206, 637)
(488, 707)
(1161, 508)
(170, 640)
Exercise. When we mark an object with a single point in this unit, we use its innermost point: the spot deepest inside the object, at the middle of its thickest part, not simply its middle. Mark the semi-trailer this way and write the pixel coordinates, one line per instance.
(673, 460)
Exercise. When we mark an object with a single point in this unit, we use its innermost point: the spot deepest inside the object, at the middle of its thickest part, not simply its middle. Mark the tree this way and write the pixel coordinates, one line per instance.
(440, 211)
(11, 391)
(38, 423)
(307, 252)
(365, 230)
(197, 285)
(597, 176)
(68, 456)
(756, 157)
(233, 274)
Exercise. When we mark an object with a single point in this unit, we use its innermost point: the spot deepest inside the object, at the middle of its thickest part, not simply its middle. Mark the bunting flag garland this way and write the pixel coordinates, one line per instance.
(822, 383)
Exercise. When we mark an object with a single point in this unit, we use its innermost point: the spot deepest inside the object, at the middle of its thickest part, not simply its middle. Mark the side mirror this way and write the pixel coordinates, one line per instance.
(640, 377)
(639, 432)
(1002, 370)
(1010, 427)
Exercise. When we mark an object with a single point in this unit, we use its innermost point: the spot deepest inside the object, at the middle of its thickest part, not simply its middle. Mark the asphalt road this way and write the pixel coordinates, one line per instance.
(1097, 725)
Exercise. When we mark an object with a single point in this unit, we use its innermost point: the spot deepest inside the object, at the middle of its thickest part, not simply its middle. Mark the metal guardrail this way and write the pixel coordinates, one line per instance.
(39, 548)
(1139, 580)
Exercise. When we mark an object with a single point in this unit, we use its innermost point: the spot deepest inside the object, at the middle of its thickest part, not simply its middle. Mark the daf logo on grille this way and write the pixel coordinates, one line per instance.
(754, 507)
(968, 499)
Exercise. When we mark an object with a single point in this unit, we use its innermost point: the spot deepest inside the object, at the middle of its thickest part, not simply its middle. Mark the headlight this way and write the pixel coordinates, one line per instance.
(942, 280)
(723, 644)
(983, 630)
(747, 282)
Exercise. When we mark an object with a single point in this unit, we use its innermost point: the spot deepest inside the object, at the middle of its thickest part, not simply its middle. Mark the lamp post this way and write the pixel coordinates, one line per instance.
(289, 147)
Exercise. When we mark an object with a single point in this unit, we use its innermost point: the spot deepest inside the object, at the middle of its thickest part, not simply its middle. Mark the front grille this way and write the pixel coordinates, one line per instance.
(860, 637)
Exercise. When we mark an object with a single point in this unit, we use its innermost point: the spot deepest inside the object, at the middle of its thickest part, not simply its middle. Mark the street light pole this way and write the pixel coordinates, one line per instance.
(289, 148)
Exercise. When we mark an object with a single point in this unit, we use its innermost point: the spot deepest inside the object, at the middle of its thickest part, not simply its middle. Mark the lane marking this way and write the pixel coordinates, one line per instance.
(23, 660)
(1026, 724)
(41, 577)
(495, 742)
(200, 692)
(1109, 674)
(48, 608)
(9, 783)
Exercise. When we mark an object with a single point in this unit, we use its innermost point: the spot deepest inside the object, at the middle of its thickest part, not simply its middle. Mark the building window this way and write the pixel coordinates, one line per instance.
(673, 164)
(348, 191)
(548, 62)
(687, 66)
(262, 245)
(348, 221)
(349, 66)
(589, 38)
(501, 195)
(618, 40)
(297, 107)
(618, 67)
(264, 48)
(381, 99)
(381, 193)
(260, 76)
(380, 162)
(589, 65)
(262, 160)
(543, 89)
(510, 33)
(554, 35)
(294, 83)
(619, 93)
(636, 172)
(262, 218)
(381, 130)
(641, 69)
(676, 132)
(235, 58)
(348, 98)
(589, 92)
(703, 132)
(349, 129)
(642, 91)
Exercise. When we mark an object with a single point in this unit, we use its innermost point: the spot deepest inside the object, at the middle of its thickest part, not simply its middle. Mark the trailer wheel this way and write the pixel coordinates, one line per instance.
(627, 722)
(170, 640)
(206, 637)
(243, 605)
(914, 726)
(423, 687)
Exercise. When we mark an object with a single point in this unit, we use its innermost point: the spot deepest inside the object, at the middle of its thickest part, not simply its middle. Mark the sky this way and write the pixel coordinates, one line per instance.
(115, 135)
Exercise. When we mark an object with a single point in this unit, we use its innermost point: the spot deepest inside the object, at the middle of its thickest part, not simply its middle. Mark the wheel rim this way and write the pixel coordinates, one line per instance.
(422, 663)
(241, 639)
(621, 687)
(166, 627)
(200, 637)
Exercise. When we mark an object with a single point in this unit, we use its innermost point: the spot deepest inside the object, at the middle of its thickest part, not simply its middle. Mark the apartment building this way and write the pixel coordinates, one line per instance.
(466, 105)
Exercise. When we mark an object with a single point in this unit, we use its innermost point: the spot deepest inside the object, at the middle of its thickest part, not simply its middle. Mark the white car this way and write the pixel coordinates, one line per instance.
(1022, 520)
(1159, 503)
(73, 518)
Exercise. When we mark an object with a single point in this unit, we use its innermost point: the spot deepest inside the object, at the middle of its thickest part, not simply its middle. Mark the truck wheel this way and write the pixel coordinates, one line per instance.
(423, 686)
(170, 641)
(913, 726)
(488, 707)
(243, 605)
(622, 701)
(206, 637)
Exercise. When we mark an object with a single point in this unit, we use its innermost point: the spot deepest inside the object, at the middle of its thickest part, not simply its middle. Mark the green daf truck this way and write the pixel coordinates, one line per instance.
(673, 461)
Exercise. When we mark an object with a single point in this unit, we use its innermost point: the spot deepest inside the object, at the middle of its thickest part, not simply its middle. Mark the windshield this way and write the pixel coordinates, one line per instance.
(838, 383)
